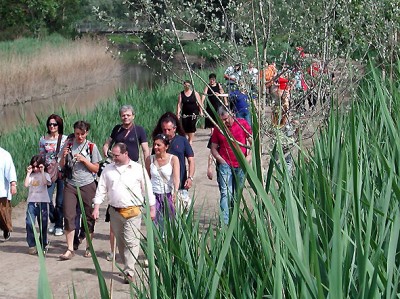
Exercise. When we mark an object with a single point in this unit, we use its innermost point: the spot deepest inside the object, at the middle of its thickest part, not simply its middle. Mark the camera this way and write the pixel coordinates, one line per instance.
(67, 172)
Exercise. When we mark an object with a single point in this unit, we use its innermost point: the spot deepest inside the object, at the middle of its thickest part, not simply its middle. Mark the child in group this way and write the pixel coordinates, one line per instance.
(37, 180)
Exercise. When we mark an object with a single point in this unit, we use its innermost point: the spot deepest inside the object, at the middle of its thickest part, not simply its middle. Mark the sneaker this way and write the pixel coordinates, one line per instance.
(32, 250)
(51, 228)
(6, 235)
(128, 279)
(110, 256)
(58, 232)
(46, 248)
(146, 263)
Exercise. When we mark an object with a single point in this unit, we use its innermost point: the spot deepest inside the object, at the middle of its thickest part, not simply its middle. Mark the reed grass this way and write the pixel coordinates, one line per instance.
(32, 71)
(329, 229)
(335, 220)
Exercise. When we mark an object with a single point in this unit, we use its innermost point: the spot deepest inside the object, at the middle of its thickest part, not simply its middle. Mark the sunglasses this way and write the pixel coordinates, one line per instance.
(53, 124)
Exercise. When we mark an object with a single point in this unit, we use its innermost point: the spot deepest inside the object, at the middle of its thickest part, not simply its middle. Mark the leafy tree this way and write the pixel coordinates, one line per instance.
(28, 17)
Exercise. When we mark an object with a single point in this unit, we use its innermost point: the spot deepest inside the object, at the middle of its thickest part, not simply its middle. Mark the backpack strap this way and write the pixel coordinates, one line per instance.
(58, 144)
(90, 147)
(113, 137)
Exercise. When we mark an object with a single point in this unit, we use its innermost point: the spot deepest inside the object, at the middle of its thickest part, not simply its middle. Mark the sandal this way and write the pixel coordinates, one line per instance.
(87, 253)
(69, 254)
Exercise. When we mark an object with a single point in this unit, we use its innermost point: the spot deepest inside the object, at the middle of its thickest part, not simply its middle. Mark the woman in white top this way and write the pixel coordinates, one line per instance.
(163, 169)
(48, 148)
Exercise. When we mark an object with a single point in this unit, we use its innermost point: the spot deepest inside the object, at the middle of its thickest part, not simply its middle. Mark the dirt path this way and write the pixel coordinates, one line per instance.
(20, 271)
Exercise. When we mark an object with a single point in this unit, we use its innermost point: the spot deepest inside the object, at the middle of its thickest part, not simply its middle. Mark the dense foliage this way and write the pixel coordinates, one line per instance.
(328, 230)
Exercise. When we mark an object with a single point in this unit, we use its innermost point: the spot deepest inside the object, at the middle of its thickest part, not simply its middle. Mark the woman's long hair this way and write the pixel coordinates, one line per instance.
(59, 121)
(168, 117)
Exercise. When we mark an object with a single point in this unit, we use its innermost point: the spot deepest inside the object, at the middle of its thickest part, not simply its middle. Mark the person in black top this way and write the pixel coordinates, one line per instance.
(214, 91)
(132, 135)
(188, 109)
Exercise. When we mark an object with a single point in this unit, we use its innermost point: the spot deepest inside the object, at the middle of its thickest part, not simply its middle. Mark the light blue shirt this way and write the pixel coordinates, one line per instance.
(7, 173)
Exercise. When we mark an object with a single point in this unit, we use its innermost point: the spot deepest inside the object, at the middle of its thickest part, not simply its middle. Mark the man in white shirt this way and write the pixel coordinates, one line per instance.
(124, 182)
(251, 77)
(8, 187)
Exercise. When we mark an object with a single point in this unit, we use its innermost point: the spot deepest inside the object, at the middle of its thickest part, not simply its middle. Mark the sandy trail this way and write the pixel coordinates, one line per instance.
(20, 271)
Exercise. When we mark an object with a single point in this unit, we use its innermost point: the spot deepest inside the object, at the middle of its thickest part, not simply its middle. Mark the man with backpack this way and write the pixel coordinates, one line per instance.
(129, 133)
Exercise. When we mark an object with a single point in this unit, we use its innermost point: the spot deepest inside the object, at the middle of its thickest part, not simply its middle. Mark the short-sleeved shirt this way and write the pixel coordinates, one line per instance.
(38, 190)
(180, 147)
(240, 101)
(48, 147)
(133, 137)
(81, 176)
(238, 134)
(7, 173)
(253, 75)
(233, 73)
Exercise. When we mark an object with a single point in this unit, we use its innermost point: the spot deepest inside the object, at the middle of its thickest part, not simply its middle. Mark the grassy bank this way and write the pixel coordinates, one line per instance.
(33, 69)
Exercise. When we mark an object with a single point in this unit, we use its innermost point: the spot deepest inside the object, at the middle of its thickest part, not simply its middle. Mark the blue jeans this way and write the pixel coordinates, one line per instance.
(56, 213)
(245, 114)
(229, 178)
(39, 211)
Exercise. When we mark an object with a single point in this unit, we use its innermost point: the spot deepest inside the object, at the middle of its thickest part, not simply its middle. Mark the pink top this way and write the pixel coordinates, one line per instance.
(237, 133)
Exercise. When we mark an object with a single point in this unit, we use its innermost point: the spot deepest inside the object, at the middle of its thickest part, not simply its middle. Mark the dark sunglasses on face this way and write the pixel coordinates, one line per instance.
(53, 124)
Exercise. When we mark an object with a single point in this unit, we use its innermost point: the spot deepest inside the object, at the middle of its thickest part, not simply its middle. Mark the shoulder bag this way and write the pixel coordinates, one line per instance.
(52, 167)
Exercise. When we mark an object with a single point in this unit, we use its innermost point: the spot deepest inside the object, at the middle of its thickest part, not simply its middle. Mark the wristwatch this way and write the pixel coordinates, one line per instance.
(191, 178)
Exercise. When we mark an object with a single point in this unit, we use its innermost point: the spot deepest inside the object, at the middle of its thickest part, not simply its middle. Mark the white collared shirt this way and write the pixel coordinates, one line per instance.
(124, 185)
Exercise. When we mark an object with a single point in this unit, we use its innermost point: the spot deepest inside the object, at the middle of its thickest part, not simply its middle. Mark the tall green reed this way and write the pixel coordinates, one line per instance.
(335, 220)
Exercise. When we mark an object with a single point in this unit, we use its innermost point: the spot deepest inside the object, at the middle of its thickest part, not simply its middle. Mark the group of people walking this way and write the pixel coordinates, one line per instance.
(161, 178)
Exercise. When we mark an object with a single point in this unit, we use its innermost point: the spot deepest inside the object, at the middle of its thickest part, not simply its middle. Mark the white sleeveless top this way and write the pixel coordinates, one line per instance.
(161, 178)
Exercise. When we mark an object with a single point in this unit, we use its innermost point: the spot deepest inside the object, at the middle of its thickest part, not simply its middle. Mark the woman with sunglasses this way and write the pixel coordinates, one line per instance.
(49, 147)
(163, 169)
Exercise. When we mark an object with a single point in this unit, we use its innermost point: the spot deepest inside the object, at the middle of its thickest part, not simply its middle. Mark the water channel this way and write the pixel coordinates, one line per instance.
(81, 100)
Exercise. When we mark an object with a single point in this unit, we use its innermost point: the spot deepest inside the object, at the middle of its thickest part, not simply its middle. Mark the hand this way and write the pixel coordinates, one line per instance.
(80, 158)
(29, 169)
(95, 213)
(174, 197)
(13, 189)
(41, 168)
(188, 184)
(153, 212)
(66, 151)
(210, 173)
(248, 159)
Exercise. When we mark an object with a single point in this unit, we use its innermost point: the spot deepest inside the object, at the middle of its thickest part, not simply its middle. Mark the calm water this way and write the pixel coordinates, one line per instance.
(79, 100)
